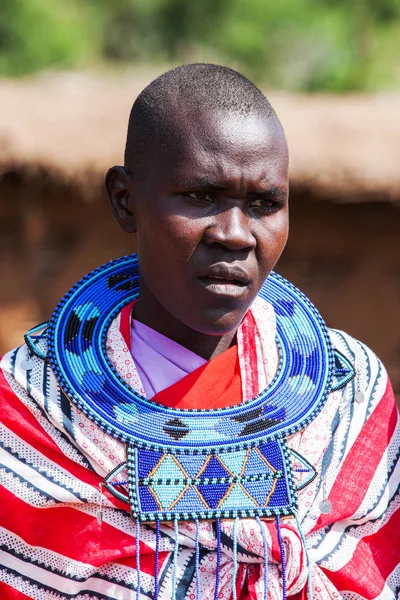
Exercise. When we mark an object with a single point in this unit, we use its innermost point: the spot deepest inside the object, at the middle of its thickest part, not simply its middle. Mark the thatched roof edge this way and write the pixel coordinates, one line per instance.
(72, 127)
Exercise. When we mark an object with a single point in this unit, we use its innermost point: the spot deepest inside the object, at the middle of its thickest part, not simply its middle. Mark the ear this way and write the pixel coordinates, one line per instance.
(119, 186)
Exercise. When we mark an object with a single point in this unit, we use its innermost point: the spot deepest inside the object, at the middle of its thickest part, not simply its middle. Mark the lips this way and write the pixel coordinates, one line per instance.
(223, 277)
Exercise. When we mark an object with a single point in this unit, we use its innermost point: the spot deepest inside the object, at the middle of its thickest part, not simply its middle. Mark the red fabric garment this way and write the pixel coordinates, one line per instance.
(125, 322)
(53, 546)
(377, 554)
(248, 331)
(9, 593)
(214, 385)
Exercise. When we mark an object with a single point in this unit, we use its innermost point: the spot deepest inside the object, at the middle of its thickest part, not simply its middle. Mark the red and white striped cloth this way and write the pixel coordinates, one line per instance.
(53, 458)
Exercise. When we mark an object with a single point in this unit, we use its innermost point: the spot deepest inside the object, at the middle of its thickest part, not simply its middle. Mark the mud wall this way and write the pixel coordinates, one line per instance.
(345, 257)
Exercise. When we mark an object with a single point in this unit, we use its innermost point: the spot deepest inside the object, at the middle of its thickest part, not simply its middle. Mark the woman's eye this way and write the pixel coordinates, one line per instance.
(200, 196)
(264, 204)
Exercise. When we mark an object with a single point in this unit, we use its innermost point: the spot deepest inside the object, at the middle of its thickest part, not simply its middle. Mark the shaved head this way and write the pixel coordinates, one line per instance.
(176, 100)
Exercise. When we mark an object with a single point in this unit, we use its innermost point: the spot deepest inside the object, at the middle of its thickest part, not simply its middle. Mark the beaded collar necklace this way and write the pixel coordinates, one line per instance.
(194, 464)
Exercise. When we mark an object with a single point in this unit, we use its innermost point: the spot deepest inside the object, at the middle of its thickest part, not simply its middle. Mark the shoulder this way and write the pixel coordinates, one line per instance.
(350, 346)
(370, 382)
(26, 377)
(358, 353)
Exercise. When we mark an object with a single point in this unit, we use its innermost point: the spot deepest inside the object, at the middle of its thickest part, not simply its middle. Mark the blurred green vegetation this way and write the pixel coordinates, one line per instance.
(306, 45)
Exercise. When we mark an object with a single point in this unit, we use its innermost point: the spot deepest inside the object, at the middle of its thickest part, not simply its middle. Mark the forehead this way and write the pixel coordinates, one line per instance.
(223, 146)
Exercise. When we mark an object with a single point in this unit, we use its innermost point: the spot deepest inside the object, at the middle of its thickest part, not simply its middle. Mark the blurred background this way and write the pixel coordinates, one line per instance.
(69, 72)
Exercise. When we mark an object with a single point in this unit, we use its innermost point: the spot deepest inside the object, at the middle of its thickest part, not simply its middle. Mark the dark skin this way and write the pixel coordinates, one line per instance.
(211, 220)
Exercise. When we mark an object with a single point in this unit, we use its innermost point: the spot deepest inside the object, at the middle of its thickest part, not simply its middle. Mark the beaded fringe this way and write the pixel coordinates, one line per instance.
(157, 550)
(138, 559)
(235, 562)
(218, 527)
(309, 576)
(218, 563)
(175, 559)
(282, 549)
(197, 561)
(265, 545)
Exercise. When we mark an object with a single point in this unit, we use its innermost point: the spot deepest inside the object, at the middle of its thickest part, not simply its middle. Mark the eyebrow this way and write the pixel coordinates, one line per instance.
(201, 183)
(205, 183)
(272, 190)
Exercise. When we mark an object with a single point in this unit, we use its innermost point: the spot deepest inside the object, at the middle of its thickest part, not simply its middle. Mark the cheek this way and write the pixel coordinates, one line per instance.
(166, 242)
(282, 233)
(272, 240)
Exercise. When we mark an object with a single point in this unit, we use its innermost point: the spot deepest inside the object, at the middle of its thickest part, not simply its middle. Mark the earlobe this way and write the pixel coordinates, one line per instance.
(119, 190)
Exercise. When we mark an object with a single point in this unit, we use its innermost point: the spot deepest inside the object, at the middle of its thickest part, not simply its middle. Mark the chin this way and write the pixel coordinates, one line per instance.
(219, 323)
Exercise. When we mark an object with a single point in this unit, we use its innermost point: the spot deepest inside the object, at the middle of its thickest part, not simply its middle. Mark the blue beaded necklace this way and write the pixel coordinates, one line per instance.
(194, 464)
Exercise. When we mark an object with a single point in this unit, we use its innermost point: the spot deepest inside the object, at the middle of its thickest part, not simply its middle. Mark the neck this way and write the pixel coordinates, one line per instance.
(149, 311)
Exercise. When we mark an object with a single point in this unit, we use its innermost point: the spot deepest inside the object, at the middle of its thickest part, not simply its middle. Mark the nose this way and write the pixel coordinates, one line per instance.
(231, 228)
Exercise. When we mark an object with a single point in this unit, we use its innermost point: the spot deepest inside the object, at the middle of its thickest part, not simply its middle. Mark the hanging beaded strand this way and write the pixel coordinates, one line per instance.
(197, 560)
(303, 539)
(157, 550)
(235, 561)
(218, 565)
(265, 548)
(138, 559)
(282, 550)
(175, 559)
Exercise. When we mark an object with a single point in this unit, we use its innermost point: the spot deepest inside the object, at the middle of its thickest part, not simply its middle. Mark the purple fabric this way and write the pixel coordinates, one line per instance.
(160, 361)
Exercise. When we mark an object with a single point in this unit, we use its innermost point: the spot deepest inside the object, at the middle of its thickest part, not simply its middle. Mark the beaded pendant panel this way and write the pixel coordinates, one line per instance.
(243, 482)
(188, 464)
